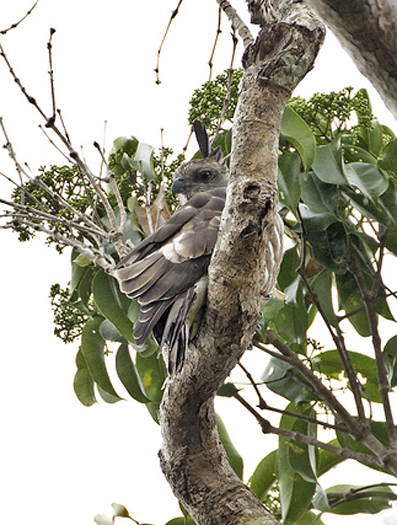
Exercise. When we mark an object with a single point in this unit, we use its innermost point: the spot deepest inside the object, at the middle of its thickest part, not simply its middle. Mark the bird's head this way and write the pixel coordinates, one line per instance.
(203, 174)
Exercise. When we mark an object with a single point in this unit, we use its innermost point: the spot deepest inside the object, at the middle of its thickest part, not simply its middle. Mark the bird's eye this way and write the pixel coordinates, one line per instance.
(205, 175)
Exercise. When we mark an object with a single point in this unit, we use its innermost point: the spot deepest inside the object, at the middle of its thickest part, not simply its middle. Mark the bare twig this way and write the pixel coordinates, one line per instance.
(16, 24)
(264, 406)
(98, 257)
(226, 102)
(54, 145)
(173, 15)
(11, 152)
(321, 390)
(63, 125)
(113, 184)
(369, 298)
(51, 73)
(218, 32)
(33, 213)
(268, 428)
(148, 206)
(336, 334)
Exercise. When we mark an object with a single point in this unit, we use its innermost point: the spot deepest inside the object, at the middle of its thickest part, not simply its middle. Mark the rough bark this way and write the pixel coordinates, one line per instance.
(368, 32)
(192, 456)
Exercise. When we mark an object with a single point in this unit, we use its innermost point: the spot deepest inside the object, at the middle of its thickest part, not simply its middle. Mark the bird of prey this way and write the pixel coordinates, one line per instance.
(167, 271)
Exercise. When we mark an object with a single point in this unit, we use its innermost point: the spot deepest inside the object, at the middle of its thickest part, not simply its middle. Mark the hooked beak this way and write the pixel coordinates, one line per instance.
(178, 186)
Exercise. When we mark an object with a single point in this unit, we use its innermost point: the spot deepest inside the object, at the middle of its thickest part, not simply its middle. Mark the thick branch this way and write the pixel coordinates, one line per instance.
(368, 32)
(247, 256)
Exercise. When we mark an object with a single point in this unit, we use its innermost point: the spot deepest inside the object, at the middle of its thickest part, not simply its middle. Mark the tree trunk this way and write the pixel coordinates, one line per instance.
(368, 32)
(247, 256)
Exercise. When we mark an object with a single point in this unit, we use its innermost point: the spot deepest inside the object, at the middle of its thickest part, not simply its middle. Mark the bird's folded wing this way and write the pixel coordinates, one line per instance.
(173, 258)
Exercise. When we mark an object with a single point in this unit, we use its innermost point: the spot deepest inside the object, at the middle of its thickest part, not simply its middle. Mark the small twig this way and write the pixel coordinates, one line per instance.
(63, 125)
(336, 334)
(322, 391)
(103, 149)
(148, 206)
(218, 32)
(98, 257)
(113, 184)
(33, 213)
(261, 402)
(11, 152)
(16, 24)
(66, 157)
(368, 298)
(187, 142)
(264, 406)
(173, 15)
(51, 121)
(238, 24)
(163, 183)
(268, 428)
(226, 102)
(336, 498)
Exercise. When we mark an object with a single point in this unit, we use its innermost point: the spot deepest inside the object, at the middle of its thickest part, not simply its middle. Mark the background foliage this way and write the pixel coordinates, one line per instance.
(337, 182)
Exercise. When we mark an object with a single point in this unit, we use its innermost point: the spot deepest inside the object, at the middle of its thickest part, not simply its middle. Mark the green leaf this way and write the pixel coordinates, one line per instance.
(125, 145)
(320, 197)
(289, 265)
(144, 158)
(110, 333)
(382, 211)
(81, 279)
(388, 161)
(367, 178)
(83, 383)
(321, 285)
(316, 221)
(390, 359)
(270, 310)
(129, 164)
(235, 460)
(350, 300)
(295, 493)
(330, 364)
(93, 350)
(328, 163)
(299, 134)
(329, 245)
(328, 460)
(288, 180)
(82, 260)
(264, 476)
(181, 521)
(108, 398)
(292, 292)
(375, 137)
(224, 140)
(227, 390)
(367, 499)
(302, 457)
(128, 374)
(112, 304)
(283, 379)
(309, 518)
(291, 323)
(153, 373)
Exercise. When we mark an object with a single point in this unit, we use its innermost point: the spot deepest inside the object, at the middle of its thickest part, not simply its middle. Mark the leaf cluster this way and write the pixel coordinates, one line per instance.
(208, 102)
(65, 181)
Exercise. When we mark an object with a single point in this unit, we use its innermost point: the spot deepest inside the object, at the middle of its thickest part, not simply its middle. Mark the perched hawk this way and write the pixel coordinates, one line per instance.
(167, 271)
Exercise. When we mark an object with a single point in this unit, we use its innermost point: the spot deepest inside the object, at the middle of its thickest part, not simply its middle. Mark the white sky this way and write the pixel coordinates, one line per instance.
(60, 462)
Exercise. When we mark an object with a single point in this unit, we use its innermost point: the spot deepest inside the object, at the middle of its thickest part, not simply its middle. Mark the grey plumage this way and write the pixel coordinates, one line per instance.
(167, 271)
